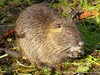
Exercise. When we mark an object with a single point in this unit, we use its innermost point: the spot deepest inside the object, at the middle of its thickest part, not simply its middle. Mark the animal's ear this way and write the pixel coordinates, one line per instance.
(58, 10)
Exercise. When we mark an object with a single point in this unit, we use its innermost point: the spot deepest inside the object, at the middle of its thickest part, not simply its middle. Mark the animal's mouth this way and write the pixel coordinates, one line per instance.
(75, 53)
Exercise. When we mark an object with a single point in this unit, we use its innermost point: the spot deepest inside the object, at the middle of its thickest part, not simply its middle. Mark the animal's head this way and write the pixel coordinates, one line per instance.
(66, 37)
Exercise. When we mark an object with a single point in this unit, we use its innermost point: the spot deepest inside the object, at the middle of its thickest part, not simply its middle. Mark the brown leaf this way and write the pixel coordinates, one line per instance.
(88, 13)
(9, 32)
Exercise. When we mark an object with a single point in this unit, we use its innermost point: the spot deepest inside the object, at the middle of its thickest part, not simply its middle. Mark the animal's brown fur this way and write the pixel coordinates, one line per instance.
(41, 41)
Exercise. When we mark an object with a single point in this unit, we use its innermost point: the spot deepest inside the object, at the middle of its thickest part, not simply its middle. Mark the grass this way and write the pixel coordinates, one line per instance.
(89, 28)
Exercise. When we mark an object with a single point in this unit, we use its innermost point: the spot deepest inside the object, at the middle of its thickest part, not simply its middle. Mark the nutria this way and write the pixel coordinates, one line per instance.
(47, 38)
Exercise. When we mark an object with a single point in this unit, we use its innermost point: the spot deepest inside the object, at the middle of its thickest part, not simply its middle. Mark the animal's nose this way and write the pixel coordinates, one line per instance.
(80, 43)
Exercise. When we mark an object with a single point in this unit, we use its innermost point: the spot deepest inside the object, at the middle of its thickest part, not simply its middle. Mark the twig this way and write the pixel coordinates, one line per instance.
(3, 56)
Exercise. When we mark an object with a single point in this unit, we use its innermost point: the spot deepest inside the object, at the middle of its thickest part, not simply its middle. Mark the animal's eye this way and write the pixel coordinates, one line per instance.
(58, 25)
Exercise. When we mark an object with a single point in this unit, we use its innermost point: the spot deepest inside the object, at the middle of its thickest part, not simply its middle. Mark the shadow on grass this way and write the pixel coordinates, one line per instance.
(90, 31)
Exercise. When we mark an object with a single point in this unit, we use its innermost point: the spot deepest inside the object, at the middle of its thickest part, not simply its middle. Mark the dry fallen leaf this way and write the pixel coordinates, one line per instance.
(9, 32)
(88, 13)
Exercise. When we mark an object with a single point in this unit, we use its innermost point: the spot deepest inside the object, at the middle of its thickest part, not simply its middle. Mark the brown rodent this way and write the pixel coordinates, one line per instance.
(45, 37)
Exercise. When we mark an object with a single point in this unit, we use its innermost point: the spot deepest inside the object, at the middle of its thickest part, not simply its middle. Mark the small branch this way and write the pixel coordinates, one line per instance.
(3, 56)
